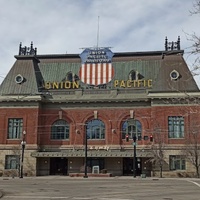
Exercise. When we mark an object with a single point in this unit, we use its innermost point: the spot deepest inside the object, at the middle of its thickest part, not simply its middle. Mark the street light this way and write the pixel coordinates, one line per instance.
(134, 156)
(85, 162)
(23, 144)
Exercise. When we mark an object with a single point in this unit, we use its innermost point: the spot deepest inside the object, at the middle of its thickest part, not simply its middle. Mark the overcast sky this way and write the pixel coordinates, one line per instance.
(60, 26)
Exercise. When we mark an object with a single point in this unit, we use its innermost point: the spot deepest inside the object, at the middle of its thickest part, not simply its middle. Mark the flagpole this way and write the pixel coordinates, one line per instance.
(98, 34)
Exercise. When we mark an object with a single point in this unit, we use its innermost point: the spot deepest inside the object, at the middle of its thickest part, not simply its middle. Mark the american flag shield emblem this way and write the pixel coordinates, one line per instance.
(96, 67)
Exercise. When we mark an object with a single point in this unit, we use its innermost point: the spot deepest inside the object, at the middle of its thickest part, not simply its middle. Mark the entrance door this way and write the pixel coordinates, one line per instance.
(91, 162)
(58, 166)
(128, 166)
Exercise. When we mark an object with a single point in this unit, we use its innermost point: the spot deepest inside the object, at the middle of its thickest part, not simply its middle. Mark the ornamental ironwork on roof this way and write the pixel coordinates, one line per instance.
(27, 50)
(170, 46)
(132, 75)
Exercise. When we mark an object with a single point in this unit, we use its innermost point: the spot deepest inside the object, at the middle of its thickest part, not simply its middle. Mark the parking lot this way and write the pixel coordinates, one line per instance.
(114, 188)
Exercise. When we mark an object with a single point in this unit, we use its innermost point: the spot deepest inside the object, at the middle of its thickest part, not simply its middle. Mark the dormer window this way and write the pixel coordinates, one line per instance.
(71, 77)
(135, 75)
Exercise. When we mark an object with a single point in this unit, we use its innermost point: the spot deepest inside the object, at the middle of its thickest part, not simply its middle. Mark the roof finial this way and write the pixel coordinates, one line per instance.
(172, 46)
(178, 43)
(27, 50)
(166, 41)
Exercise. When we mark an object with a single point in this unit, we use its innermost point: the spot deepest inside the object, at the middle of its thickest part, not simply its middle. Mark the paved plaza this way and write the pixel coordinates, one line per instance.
(113, 188)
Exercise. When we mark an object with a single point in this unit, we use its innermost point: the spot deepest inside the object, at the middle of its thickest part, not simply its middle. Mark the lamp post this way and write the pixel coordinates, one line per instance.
(23, 144)
(85, 161)
(134, 156)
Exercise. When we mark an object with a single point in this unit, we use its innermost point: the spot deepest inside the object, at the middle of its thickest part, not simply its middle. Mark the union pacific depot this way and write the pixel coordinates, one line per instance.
(98, 113)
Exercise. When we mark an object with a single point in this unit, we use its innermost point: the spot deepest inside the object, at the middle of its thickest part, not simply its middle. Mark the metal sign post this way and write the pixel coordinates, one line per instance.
(134, 156)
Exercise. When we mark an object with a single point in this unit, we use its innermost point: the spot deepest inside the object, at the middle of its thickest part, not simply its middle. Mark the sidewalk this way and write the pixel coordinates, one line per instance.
(81, 177)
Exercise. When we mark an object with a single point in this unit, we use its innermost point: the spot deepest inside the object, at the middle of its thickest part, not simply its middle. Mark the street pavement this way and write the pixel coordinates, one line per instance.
(111, 188)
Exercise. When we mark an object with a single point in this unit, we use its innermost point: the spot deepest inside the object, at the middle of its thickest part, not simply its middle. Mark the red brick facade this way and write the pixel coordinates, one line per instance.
(37, 123)
(168, 104)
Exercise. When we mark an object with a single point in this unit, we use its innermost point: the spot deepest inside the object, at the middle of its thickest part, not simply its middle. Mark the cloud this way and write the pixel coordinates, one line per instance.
(66, 25)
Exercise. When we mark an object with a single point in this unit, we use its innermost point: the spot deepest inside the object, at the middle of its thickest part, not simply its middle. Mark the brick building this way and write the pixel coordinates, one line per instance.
(52, 102)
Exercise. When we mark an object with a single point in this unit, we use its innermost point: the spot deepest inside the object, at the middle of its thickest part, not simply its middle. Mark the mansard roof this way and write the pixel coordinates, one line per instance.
(158, 66)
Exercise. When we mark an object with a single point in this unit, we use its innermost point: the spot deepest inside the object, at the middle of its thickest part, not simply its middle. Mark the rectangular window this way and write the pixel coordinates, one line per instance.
(177, 163)
(12, 162)
(15, 126)
(176, 127)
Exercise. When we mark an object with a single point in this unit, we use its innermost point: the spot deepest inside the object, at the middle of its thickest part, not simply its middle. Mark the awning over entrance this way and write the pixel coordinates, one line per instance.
(92, 153)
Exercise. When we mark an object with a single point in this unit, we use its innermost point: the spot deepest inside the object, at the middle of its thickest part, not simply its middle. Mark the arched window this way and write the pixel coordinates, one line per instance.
(60, 130)
(95, 129)
(132, 128)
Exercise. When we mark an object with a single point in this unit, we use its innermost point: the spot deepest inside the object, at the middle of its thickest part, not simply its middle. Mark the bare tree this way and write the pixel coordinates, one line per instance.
(194, 38)
(192, 148)
(157, 149)
(196, 8)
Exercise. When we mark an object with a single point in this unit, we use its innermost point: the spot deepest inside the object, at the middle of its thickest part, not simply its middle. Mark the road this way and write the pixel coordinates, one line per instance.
(114, 188)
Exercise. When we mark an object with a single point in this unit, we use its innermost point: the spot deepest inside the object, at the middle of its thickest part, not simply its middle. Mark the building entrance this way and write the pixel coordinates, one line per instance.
(58, 166)
(128, 166)
(91, 162)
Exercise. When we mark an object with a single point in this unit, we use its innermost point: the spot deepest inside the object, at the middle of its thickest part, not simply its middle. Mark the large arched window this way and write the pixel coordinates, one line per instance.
(132, 128)
(60, 130)
(95, 129)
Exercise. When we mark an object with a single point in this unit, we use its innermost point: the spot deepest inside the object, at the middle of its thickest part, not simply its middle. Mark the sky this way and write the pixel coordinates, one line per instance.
(68, 26)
